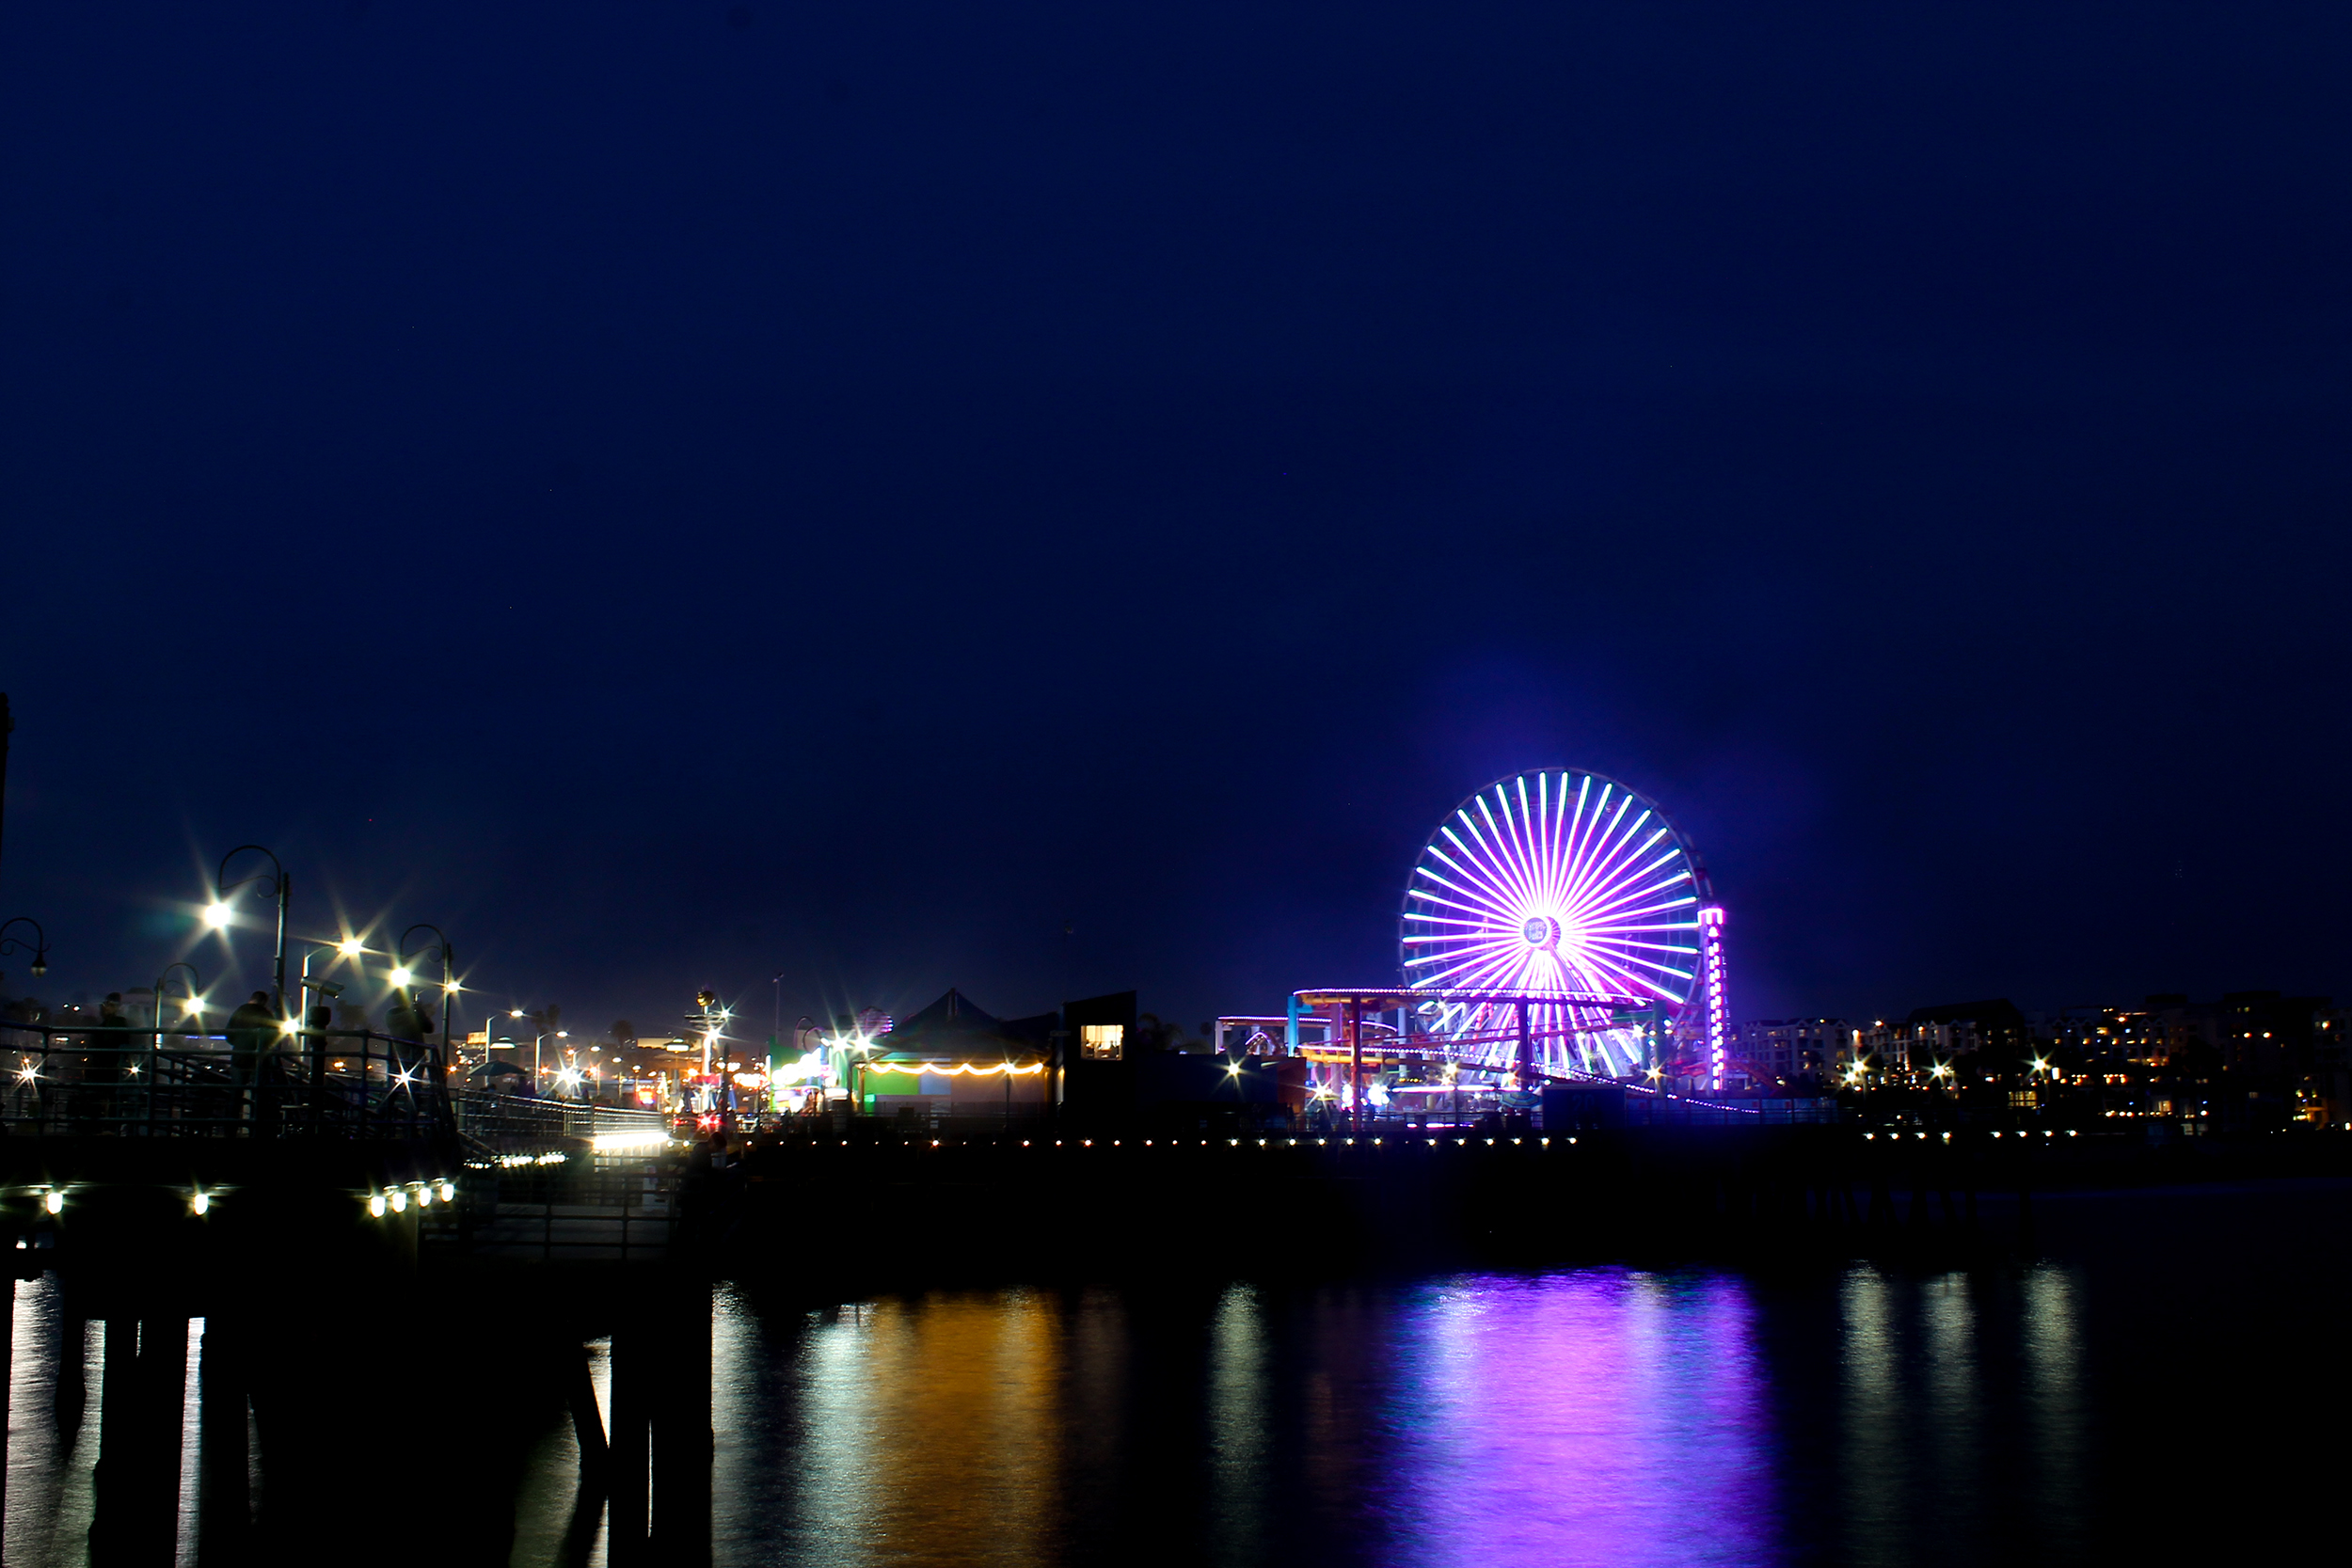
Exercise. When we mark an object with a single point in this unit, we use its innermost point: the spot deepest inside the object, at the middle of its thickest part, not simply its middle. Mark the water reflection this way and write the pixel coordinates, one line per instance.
(1606, 1416)
(1955, 1447)
(1596, 1416)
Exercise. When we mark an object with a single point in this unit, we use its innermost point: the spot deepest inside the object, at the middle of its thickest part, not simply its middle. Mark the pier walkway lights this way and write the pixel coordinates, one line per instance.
(38, 948)
(53, 1201)
(274, 886)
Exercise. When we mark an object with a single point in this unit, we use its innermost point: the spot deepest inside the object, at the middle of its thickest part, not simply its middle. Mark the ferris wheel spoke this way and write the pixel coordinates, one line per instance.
(1612, 847)
(1482, 867)
(1524, 832)
(1665, 869)
(1610, 886)
(1657, 964)
(1622, 944)
(1586, 832)
(1510, 849)
(1487, 905)
(1548, 861)
(1504, 874)
(1565, 823)
(1481, 964)
(1617, 911)
(1484, 906)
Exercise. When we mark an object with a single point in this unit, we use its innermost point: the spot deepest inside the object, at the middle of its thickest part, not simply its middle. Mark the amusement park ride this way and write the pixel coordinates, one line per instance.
(1557, 928)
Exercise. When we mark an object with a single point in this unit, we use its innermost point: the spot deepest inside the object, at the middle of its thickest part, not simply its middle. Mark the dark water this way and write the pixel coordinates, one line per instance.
(2167, 1386)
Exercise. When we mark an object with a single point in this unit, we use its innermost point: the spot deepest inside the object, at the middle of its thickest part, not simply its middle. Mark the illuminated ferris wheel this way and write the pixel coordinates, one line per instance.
(1565, 882)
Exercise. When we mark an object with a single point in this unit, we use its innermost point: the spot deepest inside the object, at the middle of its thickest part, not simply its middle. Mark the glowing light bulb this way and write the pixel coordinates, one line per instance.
(402, 976)
(201, 1203)
(55, 1203)
(375, 1206)
(216, 916)
(399, 1201)
(349, 948)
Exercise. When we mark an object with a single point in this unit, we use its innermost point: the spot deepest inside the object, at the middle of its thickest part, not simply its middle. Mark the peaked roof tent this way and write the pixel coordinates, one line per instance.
(953, 1027)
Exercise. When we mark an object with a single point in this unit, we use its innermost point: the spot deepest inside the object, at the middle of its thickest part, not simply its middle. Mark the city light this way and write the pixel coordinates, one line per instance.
(201, 1203)
(375, 1206)
(350, 947)
(399, 1200)
(448, 1192)
(624, 1142)
(216, 915)
(402, 976)
(55, 1203)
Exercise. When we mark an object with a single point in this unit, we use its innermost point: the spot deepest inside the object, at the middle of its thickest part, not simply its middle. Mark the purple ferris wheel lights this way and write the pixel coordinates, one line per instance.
(1559, 882)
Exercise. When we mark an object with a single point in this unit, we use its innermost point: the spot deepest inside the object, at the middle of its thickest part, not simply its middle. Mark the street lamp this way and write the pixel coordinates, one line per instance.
(191, 1007)
(276, 885)
(440, 949)
(705, 1001)
(344, 947)
(39, 948)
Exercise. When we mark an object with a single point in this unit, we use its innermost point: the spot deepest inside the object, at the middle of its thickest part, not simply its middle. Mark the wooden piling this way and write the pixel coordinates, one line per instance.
(224, 1505)
(634, 1384)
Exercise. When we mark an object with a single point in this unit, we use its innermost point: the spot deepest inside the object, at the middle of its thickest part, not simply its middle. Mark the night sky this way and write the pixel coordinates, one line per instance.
(677, 493)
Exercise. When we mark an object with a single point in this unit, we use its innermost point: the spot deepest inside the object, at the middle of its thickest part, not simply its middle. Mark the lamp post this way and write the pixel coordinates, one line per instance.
(39, 948)
(278, 886)
(349, 948)
(440, 948)
(191, 1008)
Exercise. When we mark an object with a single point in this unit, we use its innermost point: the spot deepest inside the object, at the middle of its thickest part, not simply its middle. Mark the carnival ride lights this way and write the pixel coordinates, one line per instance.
(1564, 881)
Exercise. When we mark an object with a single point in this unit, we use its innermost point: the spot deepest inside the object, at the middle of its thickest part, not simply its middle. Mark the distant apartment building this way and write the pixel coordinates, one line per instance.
(1787, 1052)
(2115, 1040)
(1959, 1038)
(1886, 1049)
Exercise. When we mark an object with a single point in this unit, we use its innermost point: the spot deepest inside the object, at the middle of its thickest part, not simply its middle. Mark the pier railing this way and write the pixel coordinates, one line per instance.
(122, 1080)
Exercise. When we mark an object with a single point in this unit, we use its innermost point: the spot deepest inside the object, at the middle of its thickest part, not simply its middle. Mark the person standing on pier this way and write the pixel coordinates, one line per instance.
(250, 1028)
(109, 1059)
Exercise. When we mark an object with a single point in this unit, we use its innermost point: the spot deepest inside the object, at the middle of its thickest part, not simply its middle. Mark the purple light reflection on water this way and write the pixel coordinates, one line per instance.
(1601, 1416)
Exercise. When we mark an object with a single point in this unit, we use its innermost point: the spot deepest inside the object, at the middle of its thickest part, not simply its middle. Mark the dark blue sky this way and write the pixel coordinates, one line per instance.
(675, 494)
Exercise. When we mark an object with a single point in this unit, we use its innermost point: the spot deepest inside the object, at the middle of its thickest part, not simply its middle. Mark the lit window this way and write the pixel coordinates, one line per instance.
(1101, 1043)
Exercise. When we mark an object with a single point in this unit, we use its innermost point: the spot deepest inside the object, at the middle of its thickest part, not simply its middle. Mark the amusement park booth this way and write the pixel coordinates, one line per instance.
(1111, 1077)
(954, 1059)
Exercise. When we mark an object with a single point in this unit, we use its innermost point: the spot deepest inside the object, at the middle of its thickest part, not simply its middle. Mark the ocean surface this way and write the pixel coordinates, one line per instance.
(2165, 1383)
